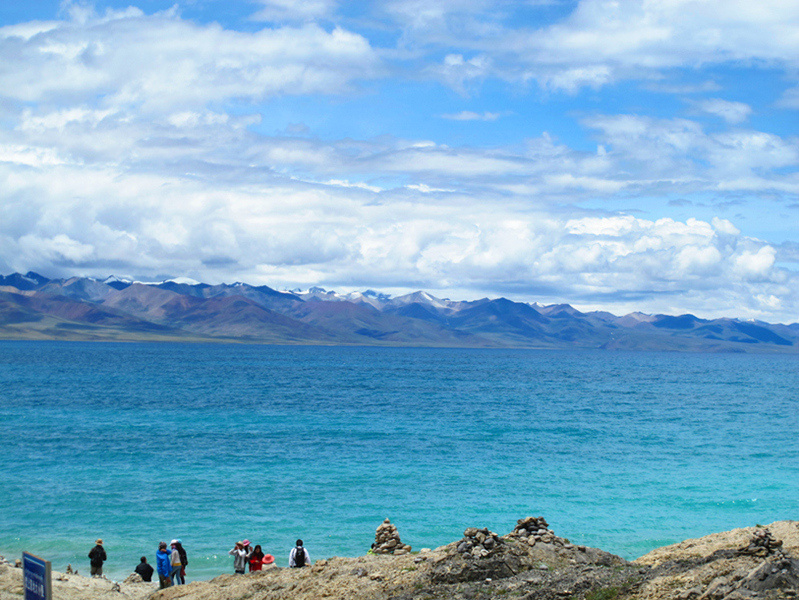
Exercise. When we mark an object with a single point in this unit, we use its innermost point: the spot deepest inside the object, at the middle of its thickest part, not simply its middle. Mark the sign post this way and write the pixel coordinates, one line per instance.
(37, 577)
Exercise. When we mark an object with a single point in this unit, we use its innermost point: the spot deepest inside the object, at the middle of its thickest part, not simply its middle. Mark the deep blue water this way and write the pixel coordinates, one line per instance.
(137, 443)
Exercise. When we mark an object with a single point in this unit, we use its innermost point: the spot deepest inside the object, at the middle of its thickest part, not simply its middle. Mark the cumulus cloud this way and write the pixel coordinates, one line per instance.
(294, 232)
(134, 144)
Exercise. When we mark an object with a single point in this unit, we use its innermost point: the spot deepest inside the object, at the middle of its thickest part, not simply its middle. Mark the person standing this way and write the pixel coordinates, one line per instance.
(299, 557)
(256, 558)
(174, 560)
(184, 560)
(163, 565)
(97, 557)
(247, 548)
(144, 569)
(239, 555)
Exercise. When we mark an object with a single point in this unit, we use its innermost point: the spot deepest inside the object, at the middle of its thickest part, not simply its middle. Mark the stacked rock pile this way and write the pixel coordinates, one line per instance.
(479, 543)
(762, 543)
(536, 529)
(387, 540)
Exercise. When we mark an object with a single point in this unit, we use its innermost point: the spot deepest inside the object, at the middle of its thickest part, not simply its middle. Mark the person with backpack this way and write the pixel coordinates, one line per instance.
(298, 557)
(97, 558)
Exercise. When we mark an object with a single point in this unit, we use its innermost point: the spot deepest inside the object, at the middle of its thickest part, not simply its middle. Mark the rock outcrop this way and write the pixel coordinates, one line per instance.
(755, 563)
(529, 563)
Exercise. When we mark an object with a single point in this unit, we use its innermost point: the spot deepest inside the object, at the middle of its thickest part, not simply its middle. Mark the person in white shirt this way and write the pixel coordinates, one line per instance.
(299, 557)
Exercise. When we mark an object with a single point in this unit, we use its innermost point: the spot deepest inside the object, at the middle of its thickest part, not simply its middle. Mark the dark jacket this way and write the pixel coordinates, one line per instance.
(145, 570)
(184, 558)
(98, 556)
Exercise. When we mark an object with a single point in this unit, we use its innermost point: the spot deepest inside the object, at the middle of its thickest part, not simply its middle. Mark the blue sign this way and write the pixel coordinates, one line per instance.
(36, 577)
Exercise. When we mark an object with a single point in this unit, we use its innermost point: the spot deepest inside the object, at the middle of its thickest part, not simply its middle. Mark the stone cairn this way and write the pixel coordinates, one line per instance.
(387, 540)
(762, 543)
(479, 543)
(536, 529)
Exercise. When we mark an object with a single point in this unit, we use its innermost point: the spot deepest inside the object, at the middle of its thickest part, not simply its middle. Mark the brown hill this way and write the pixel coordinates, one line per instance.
(361, 323)
(220, 316)
(40, 316)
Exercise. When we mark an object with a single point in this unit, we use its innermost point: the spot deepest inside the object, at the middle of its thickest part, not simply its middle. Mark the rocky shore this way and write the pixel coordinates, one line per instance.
(530, 563)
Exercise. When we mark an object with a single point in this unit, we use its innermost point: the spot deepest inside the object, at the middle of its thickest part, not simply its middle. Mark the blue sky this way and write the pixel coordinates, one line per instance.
(617, 155)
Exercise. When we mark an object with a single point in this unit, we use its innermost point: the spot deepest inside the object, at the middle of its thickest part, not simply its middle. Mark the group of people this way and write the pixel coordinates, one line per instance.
(170, 565)
(171, 561)
(246, 556)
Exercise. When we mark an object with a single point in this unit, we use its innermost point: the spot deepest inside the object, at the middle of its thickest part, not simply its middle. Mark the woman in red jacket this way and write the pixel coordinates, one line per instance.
(256, 558)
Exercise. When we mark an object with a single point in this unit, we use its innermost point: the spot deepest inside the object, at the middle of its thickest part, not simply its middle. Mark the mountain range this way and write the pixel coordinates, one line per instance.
(33, 307)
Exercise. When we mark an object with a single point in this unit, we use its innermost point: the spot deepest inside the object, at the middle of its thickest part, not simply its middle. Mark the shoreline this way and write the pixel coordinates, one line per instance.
(737, 564)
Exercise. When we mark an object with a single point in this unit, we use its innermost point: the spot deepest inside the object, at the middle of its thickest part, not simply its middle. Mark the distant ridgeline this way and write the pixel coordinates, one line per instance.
(33, 307)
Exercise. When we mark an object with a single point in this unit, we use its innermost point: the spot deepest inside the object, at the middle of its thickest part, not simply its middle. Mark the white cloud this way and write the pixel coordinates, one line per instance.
(680, 151)
(119, 151)
(601, 41)
(572, 79)
(292, 233)
(468, 115)
(58, 249)
(697, 261)
(459, 72)
(724, 226)
(32, 157)
(358, 185)
(294, 10)
(790, 98)
(160, 61)
(754, 265)
(731, 112)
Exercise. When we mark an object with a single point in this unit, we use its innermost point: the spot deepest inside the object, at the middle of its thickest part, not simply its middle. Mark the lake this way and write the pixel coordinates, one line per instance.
(137, 443)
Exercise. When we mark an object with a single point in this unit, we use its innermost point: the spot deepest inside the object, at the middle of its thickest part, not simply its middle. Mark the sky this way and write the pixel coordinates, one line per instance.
(613, 155)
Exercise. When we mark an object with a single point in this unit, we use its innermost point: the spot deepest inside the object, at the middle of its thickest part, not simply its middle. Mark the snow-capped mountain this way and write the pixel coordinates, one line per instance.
(34, 307)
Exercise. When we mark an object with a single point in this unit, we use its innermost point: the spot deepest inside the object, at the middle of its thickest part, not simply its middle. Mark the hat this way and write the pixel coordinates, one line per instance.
(245, 543)
(99, 541)
(173, 542)
(268, 559)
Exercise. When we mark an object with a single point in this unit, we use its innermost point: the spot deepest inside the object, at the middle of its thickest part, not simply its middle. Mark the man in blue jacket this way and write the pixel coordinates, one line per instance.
(163, 565)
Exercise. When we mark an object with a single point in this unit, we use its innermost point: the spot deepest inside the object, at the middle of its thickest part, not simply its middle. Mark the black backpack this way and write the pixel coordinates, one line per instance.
(299, 556)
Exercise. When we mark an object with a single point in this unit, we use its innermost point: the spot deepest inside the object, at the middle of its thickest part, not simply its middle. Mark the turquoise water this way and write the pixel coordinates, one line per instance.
(137, 443)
